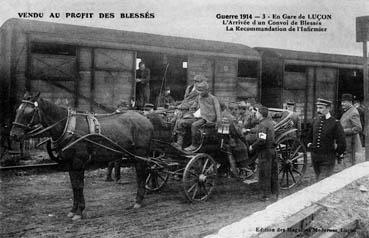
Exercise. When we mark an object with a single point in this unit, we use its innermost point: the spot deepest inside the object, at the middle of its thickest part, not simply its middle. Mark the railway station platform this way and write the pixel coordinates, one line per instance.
(269, 219)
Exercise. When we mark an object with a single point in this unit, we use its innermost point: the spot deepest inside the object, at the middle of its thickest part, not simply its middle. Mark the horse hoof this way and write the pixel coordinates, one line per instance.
(70, 214)
(76, 217)
(137, 206)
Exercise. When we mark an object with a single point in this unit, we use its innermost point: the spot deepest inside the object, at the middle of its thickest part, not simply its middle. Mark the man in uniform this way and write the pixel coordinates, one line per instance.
(264, 145)
(350, 121)
(326, 140)
(142, 85)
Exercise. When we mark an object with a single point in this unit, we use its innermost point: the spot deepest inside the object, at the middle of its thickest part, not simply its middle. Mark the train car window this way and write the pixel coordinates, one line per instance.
(53, 49)
(247, 69)
(295, 68)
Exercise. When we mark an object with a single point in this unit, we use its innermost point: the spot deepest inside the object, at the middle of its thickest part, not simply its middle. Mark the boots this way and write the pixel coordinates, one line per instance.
(192, 146)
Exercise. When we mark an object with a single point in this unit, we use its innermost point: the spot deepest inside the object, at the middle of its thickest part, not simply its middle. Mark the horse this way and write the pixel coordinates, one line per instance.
(127, 133)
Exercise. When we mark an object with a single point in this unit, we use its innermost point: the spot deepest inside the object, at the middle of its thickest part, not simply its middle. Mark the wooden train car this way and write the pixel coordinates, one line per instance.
(93, 69)
(304, 76)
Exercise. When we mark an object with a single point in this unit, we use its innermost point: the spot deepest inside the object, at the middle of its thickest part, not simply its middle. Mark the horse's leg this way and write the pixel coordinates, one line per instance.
(117, 164)
(109, 171)
(141, 174)
(76, 174)
(75, 201)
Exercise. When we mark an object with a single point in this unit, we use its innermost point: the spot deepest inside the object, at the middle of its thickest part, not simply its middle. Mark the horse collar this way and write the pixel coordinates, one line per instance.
(69, 129)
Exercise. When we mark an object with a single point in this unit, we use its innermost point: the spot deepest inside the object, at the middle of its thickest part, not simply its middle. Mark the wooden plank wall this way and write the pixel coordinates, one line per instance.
(48, 69)
(322, 83)
(247, 88)
(271, 85)
(294, 87)
(84, 61)
(200, 65)
(113, 76)
(5, 73)
(226, 79)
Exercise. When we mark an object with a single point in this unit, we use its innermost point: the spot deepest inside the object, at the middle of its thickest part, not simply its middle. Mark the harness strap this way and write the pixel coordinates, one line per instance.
(93, 124)
(69, 128)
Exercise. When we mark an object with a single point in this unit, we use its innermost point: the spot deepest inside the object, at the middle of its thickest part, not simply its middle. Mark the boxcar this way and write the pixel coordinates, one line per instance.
(304, 76)
(92, 69)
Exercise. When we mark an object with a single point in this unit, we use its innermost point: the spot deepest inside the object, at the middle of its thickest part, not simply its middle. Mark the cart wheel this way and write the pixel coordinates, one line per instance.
(157, 176)
(292, 157)
(199, 177)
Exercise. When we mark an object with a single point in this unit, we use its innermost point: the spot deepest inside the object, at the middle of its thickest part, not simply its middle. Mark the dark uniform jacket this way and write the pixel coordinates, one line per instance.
(264, 135)
(264, 145)
(324, 134)
(143, 87)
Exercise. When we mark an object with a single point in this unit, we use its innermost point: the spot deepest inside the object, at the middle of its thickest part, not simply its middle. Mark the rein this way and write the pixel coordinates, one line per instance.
(68, 131)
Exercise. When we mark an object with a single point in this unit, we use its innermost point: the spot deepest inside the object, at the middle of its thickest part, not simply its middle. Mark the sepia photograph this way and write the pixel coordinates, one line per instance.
(214, 119)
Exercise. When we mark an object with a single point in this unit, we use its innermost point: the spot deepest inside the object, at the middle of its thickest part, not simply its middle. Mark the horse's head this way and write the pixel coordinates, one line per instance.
(27, 116)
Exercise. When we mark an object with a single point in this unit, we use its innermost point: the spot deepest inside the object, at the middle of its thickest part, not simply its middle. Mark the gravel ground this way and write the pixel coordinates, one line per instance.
(36, 206)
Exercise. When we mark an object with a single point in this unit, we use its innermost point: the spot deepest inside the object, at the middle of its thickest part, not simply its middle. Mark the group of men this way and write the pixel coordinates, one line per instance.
(328, 138)
(200, 107)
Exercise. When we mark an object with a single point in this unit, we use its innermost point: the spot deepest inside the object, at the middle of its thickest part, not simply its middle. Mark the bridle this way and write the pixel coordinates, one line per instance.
(31, 127)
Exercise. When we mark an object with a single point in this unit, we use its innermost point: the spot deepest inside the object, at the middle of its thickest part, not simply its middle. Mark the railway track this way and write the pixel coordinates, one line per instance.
(38, 167)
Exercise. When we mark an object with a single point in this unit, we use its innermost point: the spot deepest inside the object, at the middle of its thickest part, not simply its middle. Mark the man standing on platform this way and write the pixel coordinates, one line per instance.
(350, 121)
(326, 140)
(264, 145)
(142, 85)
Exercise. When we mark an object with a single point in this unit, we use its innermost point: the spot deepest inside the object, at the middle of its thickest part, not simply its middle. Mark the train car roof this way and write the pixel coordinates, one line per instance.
(133, 38)
(312, 56)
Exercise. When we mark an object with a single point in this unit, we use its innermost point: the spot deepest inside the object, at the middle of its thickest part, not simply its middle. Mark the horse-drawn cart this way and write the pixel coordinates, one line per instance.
(198, 170)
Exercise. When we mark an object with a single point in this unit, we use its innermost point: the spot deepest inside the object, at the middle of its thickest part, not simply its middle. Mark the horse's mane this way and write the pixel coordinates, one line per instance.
(52, 108)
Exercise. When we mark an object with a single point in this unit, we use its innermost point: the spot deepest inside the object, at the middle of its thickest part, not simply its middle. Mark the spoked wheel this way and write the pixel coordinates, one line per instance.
(292, 161)
(157, 176)
(199, 177)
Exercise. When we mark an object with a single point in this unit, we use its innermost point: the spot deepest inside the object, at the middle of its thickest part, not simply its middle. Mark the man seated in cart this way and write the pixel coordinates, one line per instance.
(206, 109)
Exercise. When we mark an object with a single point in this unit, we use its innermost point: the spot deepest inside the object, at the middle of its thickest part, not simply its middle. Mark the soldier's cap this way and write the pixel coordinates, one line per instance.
(346, 97)
(202, 87)
(290, 103)
(200, 78)
(263, 110)
(323, 102)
